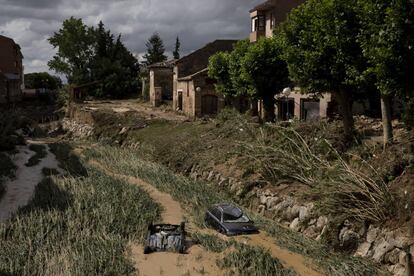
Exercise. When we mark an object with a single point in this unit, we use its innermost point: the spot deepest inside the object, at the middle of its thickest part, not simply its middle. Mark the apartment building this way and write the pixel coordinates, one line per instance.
(291, 104)
(11, 71)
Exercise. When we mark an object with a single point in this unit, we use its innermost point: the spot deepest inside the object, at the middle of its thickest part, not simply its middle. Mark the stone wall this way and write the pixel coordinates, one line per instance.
(390, 248)
(161, 78)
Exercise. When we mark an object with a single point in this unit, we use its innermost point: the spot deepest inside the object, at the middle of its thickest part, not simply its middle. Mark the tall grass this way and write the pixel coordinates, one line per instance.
(342, 189)
(76, 226)
(196, 196)
(7, 170)
(247, 260)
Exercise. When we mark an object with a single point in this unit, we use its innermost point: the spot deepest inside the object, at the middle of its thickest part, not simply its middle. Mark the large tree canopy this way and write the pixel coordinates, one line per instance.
(226, 69)
(387, 39)
(75, 44)
(266, 72)
(251, 70)
(86, 54)
(320, 46)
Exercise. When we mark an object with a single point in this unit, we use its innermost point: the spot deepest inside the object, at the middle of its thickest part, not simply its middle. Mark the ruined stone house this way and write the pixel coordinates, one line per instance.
(194, 92)
(161, 82)
(11, 71)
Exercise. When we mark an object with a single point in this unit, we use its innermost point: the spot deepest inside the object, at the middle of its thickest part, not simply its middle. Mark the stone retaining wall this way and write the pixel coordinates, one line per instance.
(392, 249)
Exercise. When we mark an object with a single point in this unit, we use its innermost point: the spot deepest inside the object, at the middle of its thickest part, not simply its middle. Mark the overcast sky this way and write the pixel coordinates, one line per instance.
(196, 22)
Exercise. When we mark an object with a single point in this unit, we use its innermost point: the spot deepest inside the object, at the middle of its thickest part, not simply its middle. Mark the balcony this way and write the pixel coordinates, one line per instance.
(254, 36)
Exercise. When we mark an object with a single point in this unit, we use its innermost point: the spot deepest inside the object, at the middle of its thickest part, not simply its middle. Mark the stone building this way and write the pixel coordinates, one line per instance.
(11, 71)
(194, 92)
(264, 18)
(161, 82)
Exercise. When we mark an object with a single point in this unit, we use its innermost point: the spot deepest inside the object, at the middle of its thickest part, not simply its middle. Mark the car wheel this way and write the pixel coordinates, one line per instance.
(147, 250)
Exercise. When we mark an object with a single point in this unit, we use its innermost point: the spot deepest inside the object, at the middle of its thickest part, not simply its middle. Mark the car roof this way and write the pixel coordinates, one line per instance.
(230, 209)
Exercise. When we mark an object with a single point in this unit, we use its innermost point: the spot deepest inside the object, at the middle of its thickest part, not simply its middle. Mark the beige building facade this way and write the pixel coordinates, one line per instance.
(194, 92)
(264, 18)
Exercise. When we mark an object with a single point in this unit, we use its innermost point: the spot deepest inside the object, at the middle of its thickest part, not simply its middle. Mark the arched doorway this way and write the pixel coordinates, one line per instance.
(209, 105)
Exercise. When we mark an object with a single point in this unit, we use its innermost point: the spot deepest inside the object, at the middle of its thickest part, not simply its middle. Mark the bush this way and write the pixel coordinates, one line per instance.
(7, 170)
(408, 113)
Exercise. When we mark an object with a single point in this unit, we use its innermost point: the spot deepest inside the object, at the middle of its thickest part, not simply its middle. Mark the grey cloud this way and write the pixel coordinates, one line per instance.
(196, 22)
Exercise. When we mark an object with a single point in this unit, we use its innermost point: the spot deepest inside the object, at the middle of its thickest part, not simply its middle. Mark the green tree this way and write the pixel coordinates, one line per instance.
(266, 73)
(387, 39)
(75, 44)
(319, 42)
(113, 65)
(87, 54)
(155, 50)
(176, 52)
(218, 69)
(227, 70)
(42, 80)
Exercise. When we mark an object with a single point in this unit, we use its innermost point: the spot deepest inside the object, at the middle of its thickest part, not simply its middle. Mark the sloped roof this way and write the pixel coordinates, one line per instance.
(204, 71)
(268, 5)
(163, 64)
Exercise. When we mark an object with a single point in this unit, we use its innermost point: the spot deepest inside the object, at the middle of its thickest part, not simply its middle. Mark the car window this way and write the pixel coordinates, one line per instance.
(216, 212)
(232, 219)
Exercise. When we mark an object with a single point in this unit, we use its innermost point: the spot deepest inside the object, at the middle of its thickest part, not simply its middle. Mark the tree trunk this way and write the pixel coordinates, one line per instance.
(253, 108)
(386, 119)
(269, 108)
(345, 101)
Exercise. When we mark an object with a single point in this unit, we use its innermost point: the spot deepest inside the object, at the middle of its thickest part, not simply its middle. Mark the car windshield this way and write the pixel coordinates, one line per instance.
(231, 219)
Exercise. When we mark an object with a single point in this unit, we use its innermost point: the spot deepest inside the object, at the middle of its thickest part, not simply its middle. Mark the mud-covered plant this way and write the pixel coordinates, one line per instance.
(340, 188)
(248, 260)
(76, 226)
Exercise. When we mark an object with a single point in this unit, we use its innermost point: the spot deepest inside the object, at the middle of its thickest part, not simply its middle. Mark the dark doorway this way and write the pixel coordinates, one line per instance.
(180, 101)
(209, 105)
(310, 110)
(286, 109)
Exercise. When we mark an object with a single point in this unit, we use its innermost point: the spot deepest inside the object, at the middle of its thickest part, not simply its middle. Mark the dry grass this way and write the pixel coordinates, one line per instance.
(341, 189)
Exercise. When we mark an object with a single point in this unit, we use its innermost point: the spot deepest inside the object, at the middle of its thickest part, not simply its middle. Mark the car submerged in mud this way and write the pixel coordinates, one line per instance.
(165, 237)
(229, 220)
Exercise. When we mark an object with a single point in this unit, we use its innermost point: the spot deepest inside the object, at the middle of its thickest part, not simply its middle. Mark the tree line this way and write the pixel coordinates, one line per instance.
(350, 48)
(88, 54)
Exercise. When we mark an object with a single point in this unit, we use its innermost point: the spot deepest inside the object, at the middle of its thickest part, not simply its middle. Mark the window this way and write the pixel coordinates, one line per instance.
(272, 21)
(216, 212)
(259, 23)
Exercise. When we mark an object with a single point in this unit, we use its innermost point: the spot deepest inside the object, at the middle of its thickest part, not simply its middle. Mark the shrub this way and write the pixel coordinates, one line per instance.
(284, 154)
(408, 113)
(7, 170)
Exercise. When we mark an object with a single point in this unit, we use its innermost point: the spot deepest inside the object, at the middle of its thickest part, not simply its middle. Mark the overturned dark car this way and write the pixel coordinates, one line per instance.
(229, 220)
(165, 237)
